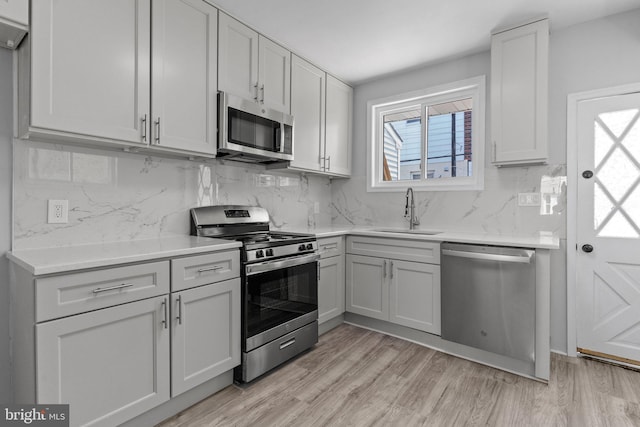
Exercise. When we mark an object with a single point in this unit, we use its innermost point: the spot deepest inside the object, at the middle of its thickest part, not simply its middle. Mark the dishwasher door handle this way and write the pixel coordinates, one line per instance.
(490, 257)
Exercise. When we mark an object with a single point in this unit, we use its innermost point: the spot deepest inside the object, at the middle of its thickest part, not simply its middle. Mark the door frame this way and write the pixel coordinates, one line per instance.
(573, 100)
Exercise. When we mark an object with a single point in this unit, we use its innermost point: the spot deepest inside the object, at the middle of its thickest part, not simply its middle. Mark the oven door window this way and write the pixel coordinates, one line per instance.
(276, 297)
(253, 131)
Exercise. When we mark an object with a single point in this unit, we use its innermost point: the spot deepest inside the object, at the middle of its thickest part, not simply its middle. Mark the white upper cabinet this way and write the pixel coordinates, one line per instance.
(308, 84)
(184, 75)
(95, 79)
(14, 21)
(90, 68)
(338, 127)
(321, 106)
(519, 94)
(252, 66)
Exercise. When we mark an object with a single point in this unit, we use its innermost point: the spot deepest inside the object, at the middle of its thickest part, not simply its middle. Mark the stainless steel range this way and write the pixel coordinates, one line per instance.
(279, 285)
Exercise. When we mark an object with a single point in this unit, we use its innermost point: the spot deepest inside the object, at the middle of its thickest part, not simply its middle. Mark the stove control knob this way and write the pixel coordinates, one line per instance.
(302, 247)
(259, 253)
(269, 252)
(309, 246)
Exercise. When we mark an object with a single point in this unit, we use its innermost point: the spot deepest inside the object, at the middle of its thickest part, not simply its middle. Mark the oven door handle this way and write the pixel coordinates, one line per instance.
(283, 263)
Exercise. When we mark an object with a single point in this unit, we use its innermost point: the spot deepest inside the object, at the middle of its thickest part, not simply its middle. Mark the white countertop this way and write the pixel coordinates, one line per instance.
(543, 240)
(70, 258)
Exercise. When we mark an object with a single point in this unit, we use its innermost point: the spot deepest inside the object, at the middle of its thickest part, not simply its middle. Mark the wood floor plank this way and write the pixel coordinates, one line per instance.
(357, 377)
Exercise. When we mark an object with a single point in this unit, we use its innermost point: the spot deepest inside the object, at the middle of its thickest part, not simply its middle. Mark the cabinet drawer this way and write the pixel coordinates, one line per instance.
(331, 246)
(204, 269)
(407, 250)
(75, 293)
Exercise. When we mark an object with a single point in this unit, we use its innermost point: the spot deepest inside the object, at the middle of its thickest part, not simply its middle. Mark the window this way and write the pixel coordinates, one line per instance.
(431, 139)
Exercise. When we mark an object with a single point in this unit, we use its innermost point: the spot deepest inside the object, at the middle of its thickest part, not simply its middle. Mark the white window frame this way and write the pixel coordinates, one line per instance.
(473, 88)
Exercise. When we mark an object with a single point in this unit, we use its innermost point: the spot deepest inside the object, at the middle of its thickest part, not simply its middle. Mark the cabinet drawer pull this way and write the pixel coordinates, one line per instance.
(164, 313)
(330, 246)
(112, 288)
(144, 128)
(179, 316)
(217, 267)
(287, 344)
(157, 138)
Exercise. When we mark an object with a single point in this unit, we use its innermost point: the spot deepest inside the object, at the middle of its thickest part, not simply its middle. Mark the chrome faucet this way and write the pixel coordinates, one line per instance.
(410, 210)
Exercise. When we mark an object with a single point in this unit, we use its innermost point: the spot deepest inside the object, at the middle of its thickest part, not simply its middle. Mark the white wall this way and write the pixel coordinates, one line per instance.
(6, 126)
(596, 54)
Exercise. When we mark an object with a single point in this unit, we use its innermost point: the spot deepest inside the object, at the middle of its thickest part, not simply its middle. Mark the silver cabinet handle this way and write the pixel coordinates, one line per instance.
(255, 86)
(144, 128)
(217, 267)
(384, 269)
(287, 344)
(164, 313)
(262, 100)
(179, 316)
(329, 159)
(330, 246)
(157, 138)
(112, 288)
(522, 259)
(391, 269)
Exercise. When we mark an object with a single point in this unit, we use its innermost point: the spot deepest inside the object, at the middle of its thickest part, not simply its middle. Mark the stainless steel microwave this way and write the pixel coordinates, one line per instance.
(248, 131)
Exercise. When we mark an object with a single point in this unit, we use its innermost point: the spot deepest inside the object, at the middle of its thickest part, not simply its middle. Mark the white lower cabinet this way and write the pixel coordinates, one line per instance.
(116, 342)
(414, 295)
(205, 333)
(401, 291)
(331, 281)
(109, 365)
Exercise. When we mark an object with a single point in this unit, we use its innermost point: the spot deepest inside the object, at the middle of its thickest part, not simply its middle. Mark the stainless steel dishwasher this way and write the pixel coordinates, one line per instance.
(488, 298)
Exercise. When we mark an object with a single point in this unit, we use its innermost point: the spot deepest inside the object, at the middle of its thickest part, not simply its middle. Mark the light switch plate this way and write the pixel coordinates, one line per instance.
(58, 212)
(528, 199)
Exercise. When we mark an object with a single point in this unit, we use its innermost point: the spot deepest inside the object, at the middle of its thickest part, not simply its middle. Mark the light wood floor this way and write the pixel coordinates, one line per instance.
(355, 377)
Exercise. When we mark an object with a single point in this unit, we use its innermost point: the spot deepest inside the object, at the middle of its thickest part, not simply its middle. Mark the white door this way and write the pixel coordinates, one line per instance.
(184, 80)
(414, 295)
(90, 67)
(274, 76)
(338, 127)
(331, 288)
(308, 110)
(608, 227)
(367, 286)
(205, 333)
(237, 58)
(109, 365)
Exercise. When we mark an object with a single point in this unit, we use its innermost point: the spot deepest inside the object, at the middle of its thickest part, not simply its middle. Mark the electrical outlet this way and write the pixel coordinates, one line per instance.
(528, 199)
(58, 212)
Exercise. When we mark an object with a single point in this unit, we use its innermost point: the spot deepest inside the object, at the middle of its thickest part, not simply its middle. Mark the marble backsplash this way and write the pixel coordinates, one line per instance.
(494, 209)
(117, 196)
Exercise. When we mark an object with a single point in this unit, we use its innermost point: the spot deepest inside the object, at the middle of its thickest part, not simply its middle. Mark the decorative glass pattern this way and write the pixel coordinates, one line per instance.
(617, 174)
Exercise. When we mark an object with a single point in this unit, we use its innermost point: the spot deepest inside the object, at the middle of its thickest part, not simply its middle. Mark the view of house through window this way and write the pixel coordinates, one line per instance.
(430, 139)
(447, 141)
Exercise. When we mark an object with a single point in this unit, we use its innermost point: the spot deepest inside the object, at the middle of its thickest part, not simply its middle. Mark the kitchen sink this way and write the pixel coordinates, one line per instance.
(404, 230)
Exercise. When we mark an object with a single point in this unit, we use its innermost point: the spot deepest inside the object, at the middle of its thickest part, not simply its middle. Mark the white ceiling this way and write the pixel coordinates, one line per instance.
(358, 40)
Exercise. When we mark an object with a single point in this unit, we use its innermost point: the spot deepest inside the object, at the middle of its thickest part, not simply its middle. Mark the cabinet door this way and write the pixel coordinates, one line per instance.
(110, 365)
(90, 67)
(338, 127)
(184, 75)
(519, 81)
(367, 286)
(274, 76)
(414, 295)
(237, 58)
(205, 333)
(331, 288)
(308, 110)
(15, 10)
